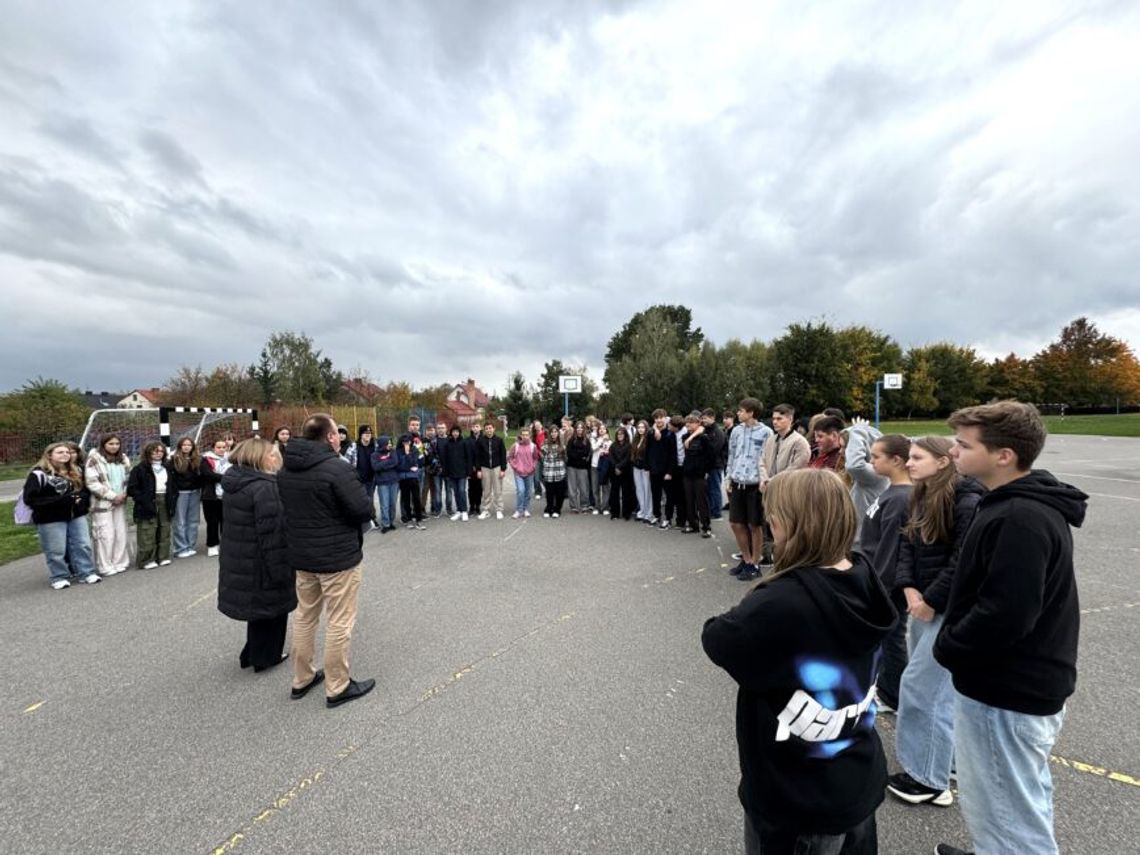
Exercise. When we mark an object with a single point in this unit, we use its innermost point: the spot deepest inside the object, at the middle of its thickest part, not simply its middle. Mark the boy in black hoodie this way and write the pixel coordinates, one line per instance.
(1009, 638)
(804, 647)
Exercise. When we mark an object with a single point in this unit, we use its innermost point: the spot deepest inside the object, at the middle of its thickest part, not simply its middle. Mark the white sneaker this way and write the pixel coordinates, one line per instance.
(555, 515)
(164, 562)
(186, 553)
(498, 515)
(546, 515)
(463, 516)
(92, 578)
(486, 515)
(212, 551)
(515, 515)
(456, 516)
(60, 584)
(526, 514)
(150, 565)
(594, 512)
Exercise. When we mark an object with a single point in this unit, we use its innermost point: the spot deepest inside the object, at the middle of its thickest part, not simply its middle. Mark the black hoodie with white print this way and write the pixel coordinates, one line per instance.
(804, 649)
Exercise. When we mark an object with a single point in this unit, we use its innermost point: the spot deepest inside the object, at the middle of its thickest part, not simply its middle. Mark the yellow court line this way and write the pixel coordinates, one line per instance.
(1099, 771)
(35, 706)
(297, 790)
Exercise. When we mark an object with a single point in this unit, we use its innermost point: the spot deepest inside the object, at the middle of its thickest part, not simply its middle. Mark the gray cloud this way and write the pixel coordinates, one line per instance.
(441, 190)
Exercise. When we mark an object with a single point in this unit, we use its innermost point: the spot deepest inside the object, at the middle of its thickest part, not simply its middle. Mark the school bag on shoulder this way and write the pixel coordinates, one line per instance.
(22, 514)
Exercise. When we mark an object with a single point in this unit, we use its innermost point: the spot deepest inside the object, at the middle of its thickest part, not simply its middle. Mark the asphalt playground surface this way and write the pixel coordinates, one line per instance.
(540, 689)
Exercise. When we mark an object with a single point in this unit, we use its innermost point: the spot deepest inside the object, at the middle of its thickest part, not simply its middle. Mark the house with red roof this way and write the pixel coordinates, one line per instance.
(140, 399)
(361, 391)
(466, 404)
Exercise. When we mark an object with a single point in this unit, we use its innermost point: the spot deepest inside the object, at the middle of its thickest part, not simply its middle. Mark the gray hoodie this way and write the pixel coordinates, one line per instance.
(866, 484)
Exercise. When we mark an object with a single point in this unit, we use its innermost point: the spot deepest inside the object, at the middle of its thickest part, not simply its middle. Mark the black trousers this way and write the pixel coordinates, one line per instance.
(675, 498)
(264, 641)
(657, 484)
(410, 503)
(623, 498)
(475, 493)
(697, 502)
(555, 496)
(212, 511)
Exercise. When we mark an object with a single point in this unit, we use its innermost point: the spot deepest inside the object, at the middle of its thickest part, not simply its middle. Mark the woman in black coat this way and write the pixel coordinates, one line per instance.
(255, 582)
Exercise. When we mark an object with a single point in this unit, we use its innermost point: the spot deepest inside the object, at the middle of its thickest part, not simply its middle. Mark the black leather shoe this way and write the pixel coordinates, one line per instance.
(353, 691)
(297, 694)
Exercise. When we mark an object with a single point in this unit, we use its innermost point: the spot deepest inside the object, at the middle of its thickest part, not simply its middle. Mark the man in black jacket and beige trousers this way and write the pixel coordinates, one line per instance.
(326, 508)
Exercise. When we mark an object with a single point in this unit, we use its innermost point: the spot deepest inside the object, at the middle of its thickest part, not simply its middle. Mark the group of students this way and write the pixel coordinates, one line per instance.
(950, 598)
(78, 503)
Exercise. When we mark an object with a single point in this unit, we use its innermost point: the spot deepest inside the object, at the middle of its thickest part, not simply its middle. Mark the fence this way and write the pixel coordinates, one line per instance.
(381, 420)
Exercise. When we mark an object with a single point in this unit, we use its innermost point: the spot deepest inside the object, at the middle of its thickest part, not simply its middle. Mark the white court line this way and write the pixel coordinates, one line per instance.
(1113, 496)
(513, 533)
(1099, 477)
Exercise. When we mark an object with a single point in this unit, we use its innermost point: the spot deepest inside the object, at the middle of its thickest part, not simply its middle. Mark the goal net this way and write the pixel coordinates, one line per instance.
(136, 428)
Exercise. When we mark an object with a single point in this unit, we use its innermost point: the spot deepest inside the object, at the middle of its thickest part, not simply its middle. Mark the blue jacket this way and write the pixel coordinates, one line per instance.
(384, 462)
(405, 460)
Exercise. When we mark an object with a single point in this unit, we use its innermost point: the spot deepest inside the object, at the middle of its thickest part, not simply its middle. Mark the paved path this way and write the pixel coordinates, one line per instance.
(541, 689)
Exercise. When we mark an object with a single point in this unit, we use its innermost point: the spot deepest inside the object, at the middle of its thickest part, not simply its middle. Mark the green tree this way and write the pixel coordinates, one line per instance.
(263, 375)
(517, 403)
(808, 370)
(918, 389)
(680, 318)
(652, 373)
(867, 355)
(547, 401)
(1087, 368)
(300, 377)
(958, 375)
(42, 412)
(1013, 377)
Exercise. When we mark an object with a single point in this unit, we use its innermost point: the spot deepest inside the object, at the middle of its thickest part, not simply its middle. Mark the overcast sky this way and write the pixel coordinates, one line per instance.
(449, 189)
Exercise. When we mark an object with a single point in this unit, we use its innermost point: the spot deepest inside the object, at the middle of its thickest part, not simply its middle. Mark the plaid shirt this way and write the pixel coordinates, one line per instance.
(553, 462)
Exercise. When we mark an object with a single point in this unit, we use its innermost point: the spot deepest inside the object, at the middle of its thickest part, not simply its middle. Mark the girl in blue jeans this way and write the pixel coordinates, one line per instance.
(941, 507)
(186, 472)
(58, 496)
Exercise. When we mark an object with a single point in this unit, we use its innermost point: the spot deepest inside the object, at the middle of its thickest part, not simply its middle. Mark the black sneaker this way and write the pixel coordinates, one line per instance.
(766, 556)
(912, 792)
(706, 533)
(947, 849)
(351, 692)
(750, 572)
(738, 569)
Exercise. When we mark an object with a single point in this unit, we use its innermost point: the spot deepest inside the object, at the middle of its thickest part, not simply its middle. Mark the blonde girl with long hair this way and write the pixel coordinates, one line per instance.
(57, 493)
(803, 646)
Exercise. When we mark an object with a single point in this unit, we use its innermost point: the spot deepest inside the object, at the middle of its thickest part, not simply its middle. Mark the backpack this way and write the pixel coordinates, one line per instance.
(22, 514)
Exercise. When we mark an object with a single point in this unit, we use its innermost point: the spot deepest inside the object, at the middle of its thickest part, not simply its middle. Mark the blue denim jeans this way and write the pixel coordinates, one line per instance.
(457, 494)
(524, 492)
(1006, 791)
(716, 496)
(924, 735)
(437, 496)
(184, 528)
(388, 493)
(66, 541)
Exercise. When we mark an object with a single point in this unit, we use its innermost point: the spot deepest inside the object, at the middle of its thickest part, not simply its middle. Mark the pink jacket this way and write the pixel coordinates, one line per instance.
(523, 458)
